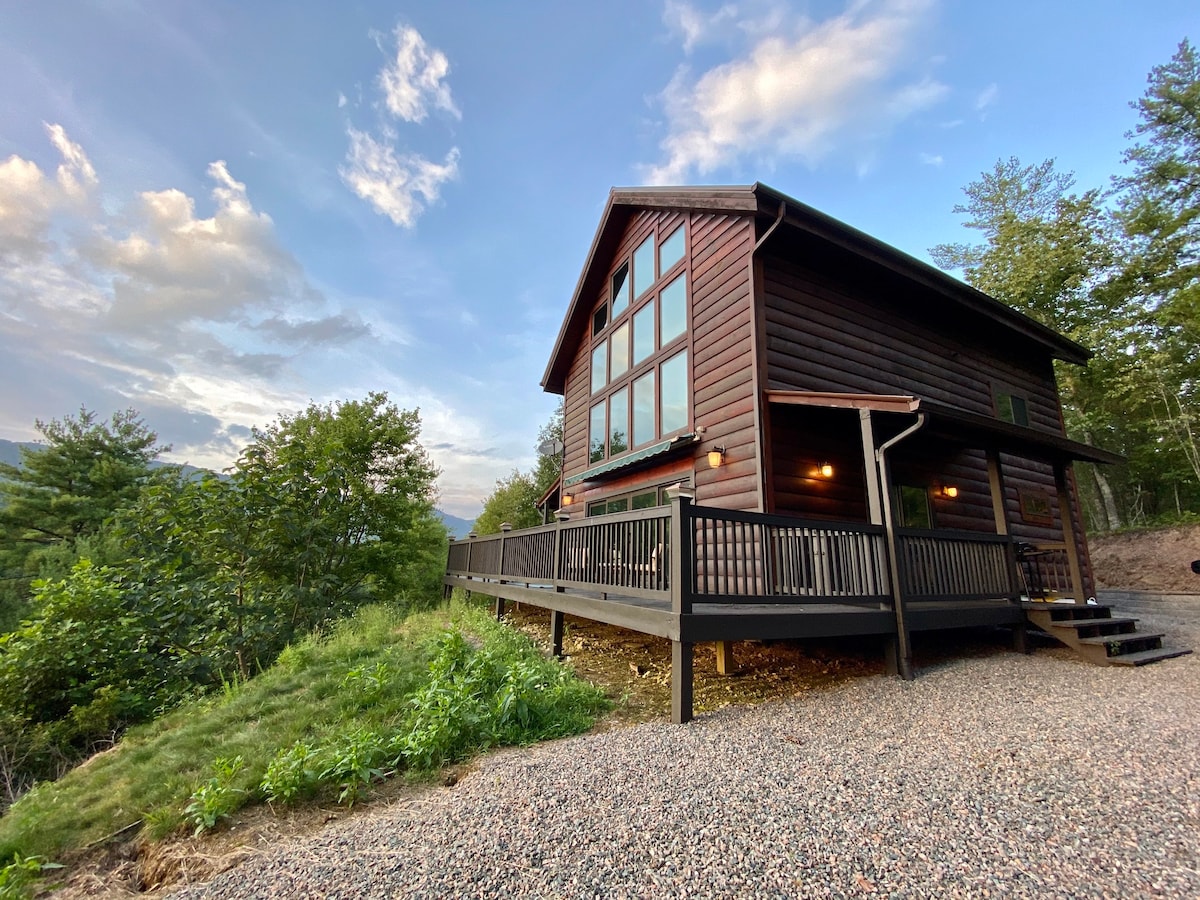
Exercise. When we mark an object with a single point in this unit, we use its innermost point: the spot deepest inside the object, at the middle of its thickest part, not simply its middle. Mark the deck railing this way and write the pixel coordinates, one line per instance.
(750, 557)
(1045, 571)
(737, 557)
(955, 565)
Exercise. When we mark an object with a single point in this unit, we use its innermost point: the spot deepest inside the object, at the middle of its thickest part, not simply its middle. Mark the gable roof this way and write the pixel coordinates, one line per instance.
(769, 204)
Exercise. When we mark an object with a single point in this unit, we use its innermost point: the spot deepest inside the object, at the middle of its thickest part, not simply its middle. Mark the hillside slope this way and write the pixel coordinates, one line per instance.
(1158, 560)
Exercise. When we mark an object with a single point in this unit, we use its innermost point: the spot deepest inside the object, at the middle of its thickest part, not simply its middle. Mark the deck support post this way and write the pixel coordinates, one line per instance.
(891, 655)
(682, 674)
(1020, 637)
(556, 633)
(725, 662)
(499, 608)
(1068, 530)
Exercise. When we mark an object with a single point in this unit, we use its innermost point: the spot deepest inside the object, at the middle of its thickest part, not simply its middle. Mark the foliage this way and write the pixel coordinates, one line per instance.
(64, 491)
(514, 499)
(337, 711)
(17, 876)
(217, 797)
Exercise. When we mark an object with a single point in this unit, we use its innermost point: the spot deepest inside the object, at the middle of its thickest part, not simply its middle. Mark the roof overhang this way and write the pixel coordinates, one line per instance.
(766, 203)
(958, 426)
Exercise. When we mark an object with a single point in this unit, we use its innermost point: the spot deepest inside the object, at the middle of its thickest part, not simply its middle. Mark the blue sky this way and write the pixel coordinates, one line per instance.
(216, 212)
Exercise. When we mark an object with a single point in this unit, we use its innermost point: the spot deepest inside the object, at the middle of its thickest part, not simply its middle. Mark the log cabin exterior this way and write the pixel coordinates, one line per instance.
(778, 426)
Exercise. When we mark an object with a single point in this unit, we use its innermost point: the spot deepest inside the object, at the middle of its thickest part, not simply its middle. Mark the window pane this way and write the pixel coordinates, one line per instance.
(618, 422)
(596, 434)
(671, 251)
(616, 506)
(646, 501)
(643, 410)
(643, 333)
(620, 352)
(620, 290)
(599, 366)
(672, 305)
(643, 267)
(674, 394)
(914, 507)
(1020, 411)
(596, 509)
(599, 319)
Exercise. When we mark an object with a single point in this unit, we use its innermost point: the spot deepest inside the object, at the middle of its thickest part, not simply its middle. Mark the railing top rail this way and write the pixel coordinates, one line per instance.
(955, 534)
(496, 535)
(633, 515)
(735, 515)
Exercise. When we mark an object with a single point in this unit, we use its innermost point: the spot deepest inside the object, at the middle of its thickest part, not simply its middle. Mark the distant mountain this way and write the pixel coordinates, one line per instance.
(10, 452)
(460, 528)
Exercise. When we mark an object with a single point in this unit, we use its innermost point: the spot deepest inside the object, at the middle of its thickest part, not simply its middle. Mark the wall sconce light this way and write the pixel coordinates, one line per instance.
(567, 499)
(949, 491)
(825, 470)
(716, 456)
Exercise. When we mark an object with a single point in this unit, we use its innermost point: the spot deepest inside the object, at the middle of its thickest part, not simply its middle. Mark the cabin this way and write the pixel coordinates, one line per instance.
(776, 426)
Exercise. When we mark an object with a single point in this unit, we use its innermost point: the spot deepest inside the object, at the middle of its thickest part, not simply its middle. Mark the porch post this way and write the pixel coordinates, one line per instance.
(1068, 528)
(875, 500)
(556, 632)
(1020, 638)
(681, 539)
(681, 682)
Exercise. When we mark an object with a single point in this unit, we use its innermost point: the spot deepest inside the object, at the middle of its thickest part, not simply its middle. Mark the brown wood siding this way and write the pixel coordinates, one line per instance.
(723, 388)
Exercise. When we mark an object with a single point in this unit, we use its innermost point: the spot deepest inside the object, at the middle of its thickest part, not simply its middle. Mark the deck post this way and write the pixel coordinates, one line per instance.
(681, 540)
(725, 660)
(681, 682)
(561, 517)
(1068, 529)
(471, 535)
(556, 633)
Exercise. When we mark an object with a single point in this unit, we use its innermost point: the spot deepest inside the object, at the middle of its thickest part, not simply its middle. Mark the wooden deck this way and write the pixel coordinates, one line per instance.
(744, 576)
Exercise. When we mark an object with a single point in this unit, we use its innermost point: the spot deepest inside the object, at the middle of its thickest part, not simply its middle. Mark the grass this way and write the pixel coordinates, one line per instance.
(378, 694)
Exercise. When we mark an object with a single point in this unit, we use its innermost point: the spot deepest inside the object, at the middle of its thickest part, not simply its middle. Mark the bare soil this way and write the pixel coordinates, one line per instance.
(1158, 560)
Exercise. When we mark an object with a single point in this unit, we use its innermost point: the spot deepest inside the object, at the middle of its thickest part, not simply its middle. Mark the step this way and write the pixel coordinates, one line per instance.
(1077, 624)
(1145, 657)
(1126, 644)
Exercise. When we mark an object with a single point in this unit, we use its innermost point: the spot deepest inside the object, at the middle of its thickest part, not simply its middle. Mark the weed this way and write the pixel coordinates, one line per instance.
(216, 798)
(17, 876)
(291, 774)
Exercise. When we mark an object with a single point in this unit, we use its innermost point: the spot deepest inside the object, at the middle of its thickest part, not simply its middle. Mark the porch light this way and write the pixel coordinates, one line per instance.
(826, 470)
(949, 491)
(716, 456)
(567, 499)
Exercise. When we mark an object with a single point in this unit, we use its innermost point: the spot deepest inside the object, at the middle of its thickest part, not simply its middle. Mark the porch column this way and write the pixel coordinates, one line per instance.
(875, 501)
(681, 682)
(725, 662)
(1068, 528)
(556, 633)
(1020, 639)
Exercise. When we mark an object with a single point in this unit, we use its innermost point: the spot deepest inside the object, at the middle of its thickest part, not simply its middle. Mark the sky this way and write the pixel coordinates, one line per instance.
(216, 213)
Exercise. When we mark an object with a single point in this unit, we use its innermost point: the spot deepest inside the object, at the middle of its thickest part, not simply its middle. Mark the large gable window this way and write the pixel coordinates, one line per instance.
(639, 365)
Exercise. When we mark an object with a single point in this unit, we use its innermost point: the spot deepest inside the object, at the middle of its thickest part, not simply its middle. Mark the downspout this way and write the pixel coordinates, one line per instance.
(903, 647)
(758, 360)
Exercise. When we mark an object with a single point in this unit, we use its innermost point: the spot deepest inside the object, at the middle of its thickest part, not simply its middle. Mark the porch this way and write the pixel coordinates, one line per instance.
(745, 576)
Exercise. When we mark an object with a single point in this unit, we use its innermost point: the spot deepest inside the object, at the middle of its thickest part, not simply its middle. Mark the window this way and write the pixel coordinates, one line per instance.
(643, 333)
(643, 410)
(640, 498)
(599, 366)
(1012, 408)
(671, 251)
(596, 432)
(620, 290)
(913, 507)
(672, 308)
(618, 422)
(619, 361)
(600, 318)
(643, 267)
(673, 394)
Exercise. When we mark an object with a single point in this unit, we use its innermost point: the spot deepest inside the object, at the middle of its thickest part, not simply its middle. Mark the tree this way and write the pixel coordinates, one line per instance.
(1160, 209)
(66, 490)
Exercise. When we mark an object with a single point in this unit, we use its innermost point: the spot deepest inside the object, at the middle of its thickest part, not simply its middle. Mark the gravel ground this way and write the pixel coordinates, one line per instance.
(990, 775)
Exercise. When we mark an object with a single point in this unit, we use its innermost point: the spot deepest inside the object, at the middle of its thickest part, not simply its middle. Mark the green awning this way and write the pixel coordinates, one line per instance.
(630, 460)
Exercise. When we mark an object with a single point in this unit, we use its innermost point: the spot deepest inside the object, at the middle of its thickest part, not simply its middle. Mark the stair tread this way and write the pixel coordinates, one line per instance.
(1088, 623)
(1122, 638)
(1146, 656)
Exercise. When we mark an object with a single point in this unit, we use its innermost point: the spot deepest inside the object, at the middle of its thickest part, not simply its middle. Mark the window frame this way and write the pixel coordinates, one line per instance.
(1003, 397)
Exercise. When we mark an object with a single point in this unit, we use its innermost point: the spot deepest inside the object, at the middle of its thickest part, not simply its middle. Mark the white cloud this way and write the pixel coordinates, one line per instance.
(694, 25)
(987, 97)
(341, 101)
(151, 305)
(799, 93)
(931, 159)
(416, 78)
(391, 182)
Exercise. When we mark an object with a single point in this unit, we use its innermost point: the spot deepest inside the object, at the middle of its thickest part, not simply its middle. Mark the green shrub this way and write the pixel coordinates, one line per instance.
(218, 797)
(291, 774)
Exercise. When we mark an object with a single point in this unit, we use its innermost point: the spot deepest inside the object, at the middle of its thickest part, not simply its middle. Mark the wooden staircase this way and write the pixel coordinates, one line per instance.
(1097, 635)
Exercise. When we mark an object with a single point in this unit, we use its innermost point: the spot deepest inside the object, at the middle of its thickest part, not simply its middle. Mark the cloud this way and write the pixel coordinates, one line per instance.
(800, 92)
(392, 182)
(931, 159)
(153, 305)
(416, 78)
(396, 184)
(987, 97)
(693, 25)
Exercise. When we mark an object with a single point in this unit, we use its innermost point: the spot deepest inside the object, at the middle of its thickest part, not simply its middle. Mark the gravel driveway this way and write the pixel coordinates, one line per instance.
(990, 775)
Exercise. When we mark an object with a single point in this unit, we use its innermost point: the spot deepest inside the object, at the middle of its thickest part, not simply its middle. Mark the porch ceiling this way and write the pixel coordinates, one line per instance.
(958, 426)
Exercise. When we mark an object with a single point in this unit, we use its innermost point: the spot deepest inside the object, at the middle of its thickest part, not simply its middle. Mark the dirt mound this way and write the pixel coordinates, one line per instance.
(1158, 560)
